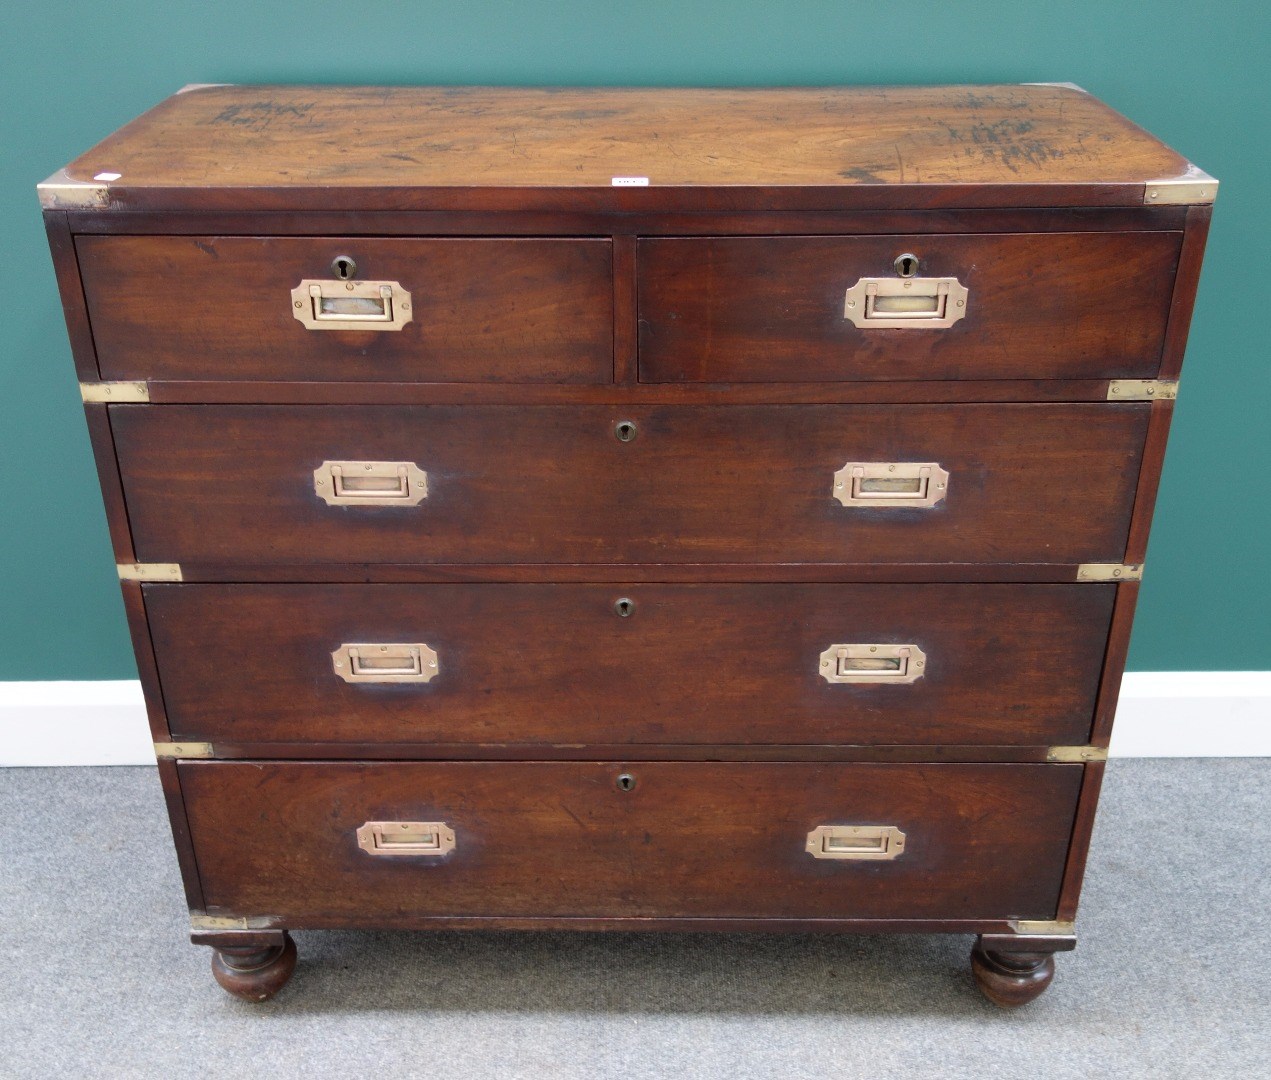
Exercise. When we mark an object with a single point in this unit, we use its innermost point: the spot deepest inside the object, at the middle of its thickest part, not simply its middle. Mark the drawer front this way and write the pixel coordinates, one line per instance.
(688, 839)
(1026, 483)
(543, 664)
(773, 309)
(212, 307)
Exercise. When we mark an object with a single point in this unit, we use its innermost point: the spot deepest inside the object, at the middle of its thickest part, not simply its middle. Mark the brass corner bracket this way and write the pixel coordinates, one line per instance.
(114, 392)
(1077, 754)
(154, 571)
(1142, 390)
(1106, 571)
(175, 750)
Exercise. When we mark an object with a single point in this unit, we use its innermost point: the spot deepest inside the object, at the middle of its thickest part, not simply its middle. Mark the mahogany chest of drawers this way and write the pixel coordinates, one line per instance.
(667, 509)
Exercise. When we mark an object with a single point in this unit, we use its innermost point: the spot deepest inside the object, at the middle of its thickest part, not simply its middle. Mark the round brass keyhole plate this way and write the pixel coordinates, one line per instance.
(625, 430)
(906, 265)
(624, 607)
(343, 268)
(625, 782)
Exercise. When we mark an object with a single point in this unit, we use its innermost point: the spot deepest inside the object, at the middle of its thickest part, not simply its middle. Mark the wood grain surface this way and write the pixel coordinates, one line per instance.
(271, 146)
(1061, 305)
(1028, 483)
(689, 839)
(689, 664)
(487, 310)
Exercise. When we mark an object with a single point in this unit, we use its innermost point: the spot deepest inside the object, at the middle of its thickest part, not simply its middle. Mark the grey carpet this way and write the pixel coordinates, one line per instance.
(1171, 977)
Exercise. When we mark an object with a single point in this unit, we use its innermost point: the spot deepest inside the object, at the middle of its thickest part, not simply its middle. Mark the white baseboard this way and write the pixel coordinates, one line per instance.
(1162, 714)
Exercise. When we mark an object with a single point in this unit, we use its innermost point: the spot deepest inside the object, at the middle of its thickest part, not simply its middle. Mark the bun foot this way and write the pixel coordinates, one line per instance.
(253, 972)
(1011, 979)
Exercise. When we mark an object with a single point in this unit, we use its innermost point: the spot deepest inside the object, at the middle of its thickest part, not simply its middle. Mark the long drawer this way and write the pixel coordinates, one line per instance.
(608, 664)
(270, 308)
(806, 308)
(607, 484)
(345, 841)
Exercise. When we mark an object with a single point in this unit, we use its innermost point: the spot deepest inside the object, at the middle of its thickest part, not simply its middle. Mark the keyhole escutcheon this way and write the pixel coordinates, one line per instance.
(625, 781)
(906, 265)
(624, 607)
(343, 267)
(625, 430)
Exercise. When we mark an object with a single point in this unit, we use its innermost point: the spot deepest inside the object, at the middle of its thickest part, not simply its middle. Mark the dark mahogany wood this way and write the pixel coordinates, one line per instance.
(304, 147)
(625, 304)
(74, 311)
(690, 664)
(484, 310)
(181, 391)
(688, 839)
(1079, 846)
(542, 484)
(1149, 480)
(1075, 306)
(649, 223)
(1185, 285)
(101, 440)
(917, 753)
(175, 800)
(254, 972)
(1010, 980)
(143, 652)
(543, 294)
(628, 573)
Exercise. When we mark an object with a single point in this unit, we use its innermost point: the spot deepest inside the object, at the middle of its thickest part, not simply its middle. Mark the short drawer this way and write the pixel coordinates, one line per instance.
(456, 310)
(607, 484)
(798, 309)
(316, 842)
(612, 664)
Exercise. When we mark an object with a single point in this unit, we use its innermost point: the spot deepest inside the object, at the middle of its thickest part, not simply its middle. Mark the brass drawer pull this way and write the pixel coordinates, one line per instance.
(406, 838)
(370, 483)
(905, 303)
(873, 663)
(383, 663)
(350, 305)
(856, 842)
(891, 483)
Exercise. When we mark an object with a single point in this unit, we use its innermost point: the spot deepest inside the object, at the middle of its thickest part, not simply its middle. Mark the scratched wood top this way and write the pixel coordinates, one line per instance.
(300, 147)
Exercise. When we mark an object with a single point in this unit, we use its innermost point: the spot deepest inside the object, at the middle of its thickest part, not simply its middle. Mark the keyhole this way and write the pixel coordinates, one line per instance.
(343, 267)
(625, 430)
(906, 265)
(625, 607)
(625, 781)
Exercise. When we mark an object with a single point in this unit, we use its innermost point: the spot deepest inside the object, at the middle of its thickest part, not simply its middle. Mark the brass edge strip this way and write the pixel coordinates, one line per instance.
(60, 192)
(1142, 390)
(154, 571)
(1077, 753)
(1041, 927)
(108, 392)
(1104, 571)
(205, 923)
(183, 750)
(1195, 187)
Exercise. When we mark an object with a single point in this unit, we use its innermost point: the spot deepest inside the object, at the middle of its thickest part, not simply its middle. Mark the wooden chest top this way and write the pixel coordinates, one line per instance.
(404, 148)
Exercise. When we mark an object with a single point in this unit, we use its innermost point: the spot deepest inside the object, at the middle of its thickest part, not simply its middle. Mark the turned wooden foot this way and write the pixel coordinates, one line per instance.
(1011, 979)
(254, 972)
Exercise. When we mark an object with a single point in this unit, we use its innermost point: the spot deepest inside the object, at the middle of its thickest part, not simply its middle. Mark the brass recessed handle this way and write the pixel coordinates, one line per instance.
(406, 838)
(905, 303)
(385, 663)
(370, 483)
(897, 664)
(864, 842)
(351, 305)
(891, 483)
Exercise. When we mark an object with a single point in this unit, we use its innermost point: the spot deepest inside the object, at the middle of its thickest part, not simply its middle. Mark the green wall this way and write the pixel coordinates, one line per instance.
(1192, 73)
